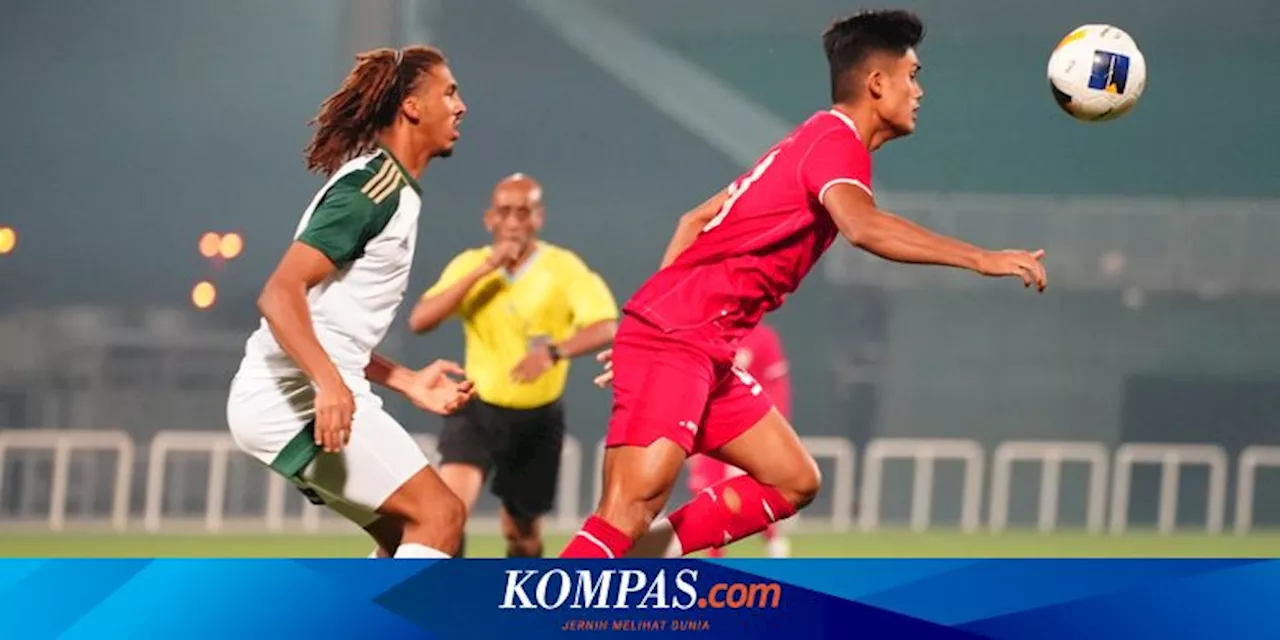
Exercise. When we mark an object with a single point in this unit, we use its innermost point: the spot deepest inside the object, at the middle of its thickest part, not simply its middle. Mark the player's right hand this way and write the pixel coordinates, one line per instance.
(1024, 265)
(503, 253)
(431, 388)
(606, 358)
(335, 407)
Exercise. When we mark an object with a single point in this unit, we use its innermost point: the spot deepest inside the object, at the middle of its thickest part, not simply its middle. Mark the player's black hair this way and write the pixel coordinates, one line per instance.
(367, 102)
(850, 41)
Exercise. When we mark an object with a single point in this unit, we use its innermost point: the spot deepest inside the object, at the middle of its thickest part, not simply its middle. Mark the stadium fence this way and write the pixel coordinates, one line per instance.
(60, 480)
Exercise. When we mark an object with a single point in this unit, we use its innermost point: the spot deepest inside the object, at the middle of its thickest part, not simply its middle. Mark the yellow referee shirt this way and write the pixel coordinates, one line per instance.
(552, 295)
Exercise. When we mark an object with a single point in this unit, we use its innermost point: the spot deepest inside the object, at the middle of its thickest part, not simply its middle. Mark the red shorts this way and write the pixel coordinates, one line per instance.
(678, 385)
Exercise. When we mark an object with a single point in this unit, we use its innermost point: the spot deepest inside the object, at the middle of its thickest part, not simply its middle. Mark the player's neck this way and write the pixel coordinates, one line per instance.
(399, 141)
(872, 129)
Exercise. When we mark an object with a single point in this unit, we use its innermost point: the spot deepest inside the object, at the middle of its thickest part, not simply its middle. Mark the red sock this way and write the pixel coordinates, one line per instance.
(727, 511)
(770, 532)
(597, 539)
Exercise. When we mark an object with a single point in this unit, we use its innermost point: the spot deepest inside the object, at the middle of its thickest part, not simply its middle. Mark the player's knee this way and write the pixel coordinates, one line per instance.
(804, 484)
(445, 513)
(451, 514)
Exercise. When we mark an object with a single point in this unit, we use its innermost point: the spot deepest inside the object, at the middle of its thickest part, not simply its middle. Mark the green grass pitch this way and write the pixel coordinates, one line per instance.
(879, 544)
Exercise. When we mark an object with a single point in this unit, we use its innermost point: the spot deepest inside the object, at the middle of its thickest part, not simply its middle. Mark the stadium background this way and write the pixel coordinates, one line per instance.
(133, 127)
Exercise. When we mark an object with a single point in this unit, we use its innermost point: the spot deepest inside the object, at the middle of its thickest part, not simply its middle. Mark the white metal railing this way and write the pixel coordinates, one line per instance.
(1171, 458)
(218, 444)
(1103, 465)
(924, 452)
(1051, 455)
(843, 456)
(62, 443)
(1251, 459)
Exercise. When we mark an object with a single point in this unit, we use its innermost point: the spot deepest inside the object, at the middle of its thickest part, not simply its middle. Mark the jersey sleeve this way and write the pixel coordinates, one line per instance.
(589, 295)
(837, 157)
(345, 220)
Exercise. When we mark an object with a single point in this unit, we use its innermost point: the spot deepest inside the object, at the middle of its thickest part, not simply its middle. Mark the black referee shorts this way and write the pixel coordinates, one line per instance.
(520, 448)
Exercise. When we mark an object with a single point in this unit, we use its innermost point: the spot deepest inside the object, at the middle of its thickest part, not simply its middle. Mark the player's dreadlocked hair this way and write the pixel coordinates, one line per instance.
(849, 42)
(368, 101)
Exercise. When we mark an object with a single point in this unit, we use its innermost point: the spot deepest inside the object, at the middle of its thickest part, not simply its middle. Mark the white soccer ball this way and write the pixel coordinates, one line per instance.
(1097, 73)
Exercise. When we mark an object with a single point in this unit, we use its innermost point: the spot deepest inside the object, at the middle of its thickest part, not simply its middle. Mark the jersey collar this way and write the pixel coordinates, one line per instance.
(846, 119)
(403, 173)
(512, 276)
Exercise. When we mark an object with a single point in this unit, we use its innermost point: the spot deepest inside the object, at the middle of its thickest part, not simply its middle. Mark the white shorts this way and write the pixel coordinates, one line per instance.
(271, 419)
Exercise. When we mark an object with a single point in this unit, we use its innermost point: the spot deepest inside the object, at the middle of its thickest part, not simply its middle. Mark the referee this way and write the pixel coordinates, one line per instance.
(527, 307)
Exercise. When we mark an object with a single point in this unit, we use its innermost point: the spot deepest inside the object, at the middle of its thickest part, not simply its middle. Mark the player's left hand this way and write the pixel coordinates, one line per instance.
(532, 366)
(431, 388)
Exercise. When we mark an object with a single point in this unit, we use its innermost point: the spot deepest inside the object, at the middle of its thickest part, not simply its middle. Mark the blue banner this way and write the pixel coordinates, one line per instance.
(790, 599)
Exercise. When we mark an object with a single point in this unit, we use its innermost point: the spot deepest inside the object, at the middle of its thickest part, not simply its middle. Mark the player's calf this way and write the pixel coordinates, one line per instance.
(386, 531)
(781, 479)
(637, 483)
(433, 517)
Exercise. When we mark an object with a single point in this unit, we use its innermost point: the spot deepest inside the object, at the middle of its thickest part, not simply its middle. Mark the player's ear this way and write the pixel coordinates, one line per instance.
(411, 109)
(875, 82)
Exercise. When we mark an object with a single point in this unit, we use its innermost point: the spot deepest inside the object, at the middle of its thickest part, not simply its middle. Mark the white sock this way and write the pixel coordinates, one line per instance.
(412, 550)
(660, 541)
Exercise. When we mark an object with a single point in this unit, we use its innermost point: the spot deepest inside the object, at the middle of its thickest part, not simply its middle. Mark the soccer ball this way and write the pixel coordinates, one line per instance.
(1097, 73)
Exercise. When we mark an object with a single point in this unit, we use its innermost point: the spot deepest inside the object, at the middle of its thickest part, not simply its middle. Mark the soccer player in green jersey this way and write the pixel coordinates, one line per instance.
(302, 401)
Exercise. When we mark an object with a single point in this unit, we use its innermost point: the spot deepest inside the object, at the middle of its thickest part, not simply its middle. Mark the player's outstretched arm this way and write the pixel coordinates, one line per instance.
(388, 373)
(283, 304)
(429, 388)
(691, 224)
(895, 238)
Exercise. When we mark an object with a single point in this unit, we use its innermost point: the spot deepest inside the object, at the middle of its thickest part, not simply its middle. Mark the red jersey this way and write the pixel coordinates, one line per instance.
(760, 354)
(766, 237)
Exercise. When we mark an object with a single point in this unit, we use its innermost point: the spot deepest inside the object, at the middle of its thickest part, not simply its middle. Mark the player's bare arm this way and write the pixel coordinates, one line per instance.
(586, 340)
(895, 238)
(283, 304)
(432, 310)
(387, 373)
(429, 388)
(691, 224)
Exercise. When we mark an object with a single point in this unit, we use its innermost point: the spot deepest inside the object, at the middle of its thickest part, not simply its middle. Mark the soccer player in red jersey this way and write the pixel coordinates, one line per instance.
(735, 258)
(759, 354)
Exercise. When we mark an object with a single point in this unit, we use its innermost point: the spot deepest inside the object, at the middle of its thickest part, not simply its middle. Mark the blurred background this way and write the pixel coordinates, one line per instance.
(153, 175)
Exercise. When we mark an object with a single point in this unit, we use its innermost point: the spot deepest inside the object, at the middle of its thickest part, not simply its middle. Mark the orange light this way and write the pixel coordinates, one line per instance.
(209, 243)
(8, 240)
(231, 246)
(204, 294)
